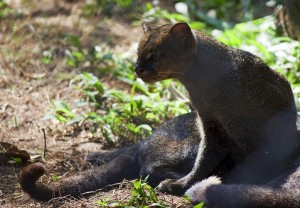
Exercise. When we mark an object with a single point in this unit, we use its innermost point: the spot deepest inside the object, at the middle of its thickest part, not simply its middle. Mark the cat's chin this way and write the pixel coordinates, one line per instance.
(149, 80)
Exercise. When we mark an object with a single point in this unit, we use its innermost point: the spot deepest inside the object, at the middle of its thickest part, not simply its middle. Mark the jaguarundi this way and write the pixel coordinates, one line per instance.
(245, 110)
(244, 129)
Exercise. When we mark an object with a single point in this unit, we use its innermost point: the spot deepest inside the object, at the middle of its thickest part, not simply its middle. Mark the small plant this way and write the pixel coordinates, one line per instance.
(121, 116)
(62, 112)
(126, 117)
(5, 10)
(200, 205)
(54, 178)
(90, 85)
(47, 57)
(143, 195)
(17, 160)
(188, 199)
(106, 202)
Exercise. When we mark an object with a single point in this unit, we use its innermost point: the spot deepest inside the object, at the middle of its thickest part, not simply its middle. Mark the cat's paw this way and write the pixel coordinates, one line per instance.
(197, 193)
(173, 186)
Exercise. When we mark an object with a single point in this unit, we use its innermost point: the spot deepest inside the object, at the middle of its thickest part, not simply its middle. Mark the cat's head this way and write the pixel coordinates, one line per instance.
(165, 52)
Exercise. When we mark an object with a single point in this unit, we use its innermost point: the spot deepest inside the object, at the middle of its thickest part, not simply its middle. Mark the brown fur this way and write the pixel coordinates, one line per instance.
(246, 110)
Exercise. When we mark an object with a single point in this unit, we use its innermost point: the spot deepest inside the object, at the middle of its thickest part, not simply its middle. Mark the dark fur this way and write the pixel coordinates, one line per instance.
(282, 192)
(168, 153)
(124, 166)
(246, 110)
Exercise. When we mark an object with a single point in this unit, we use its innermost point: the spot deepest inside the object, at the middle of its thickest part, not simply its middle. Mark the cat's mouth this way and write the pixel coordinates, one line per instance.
(147, 75)
(148, 79)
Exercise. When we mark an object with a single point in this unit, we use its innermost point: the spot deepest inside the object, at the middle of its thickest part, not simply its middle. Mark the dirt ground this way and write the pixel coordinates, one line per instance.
(27, 86)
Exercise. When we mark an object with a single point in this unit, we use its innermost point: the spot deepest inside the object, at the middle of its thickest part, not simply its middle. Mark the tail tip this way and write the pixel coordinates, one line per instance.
(197, 192)
(31, 173)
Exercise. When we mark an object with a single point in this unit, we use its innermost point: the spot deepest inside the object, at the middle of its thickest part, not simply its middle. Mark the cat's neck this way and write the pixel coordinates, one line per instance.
(208, 66)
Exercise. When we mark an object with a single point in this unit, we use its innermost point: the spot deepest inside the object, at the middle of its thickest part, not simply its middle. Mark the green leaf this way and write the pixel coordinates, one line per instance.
(17, 160)
(73, 40)
(148, 6)
(137, 184)
(54, 178)
(124, 3)
(76, 119)
(197, 25)
(187, 198)
(144, 127)
(200, 205)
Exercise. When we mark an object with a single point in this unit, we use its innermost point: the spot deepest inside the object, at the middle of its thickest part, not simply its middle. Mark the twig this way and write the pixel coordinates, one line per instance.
(45, 142)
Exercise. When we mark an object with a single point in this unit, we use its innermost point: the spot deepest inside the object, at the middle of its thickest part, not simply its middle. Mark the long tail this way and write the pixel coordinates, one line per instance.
(214, 194)
(123, 166)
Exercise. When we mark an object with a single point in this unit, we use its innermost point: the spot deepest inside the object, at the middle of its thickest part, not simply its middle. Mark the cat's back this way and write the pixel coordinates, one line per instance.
(258, 81)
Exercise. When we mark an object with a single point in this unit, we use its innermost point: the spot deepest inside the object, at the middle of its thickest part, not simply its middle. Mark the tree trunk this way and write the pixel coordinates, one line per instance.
(288, 19)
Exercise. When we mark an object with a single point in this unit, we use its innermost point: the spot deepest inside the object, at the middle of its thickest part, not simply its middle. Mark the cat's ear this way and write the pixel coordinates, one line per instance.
(183, 33)
(181, 29)
(146, 26)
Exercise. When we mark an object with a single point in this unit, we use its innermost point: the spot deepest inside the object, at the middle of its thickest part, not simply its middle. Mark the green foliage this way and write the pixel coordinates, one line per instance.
(188, 199)
(259, 37)
(120, 115)
(144, 195)
(106, 202)
(155, 13)
(47, 57)
(221, 13)
(76, 54)
(131, 114)
(203, 15)
(124, 3)
(17, 160)
(240, 10)
(62, 112)
(90, 85)
(107, 7)
(5, 10)
(54, 178)
(125, 116)
(200, 205)
(73, 40)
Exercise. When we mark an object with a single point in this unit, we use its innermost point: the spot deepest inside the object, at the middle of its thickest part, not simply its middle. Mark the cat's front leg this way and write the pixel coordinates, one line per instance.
(212, 149)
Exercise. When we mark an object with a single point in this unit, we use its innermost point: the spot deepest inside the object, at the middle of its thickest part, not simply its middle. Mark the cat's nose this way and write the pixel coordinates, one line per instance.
(138, 69)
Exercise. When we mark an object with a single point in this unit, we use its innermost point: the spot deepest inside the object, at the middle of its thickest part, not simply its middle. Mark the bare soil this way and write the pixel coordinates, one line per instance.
(28, 86)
